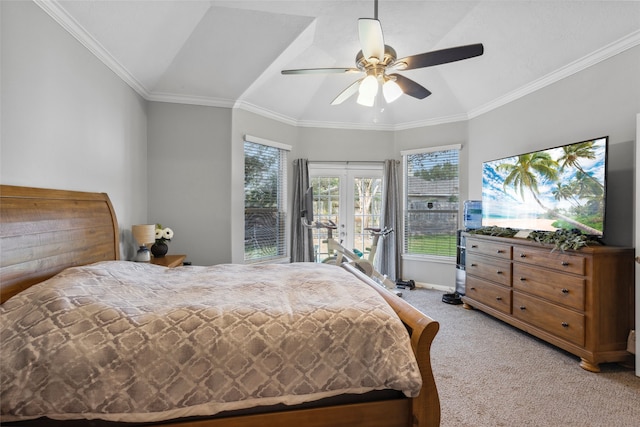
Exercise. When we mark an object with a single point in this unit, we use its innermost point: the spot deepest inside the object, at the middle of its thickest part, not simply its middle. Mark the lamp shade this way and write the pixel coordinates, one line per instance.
(144, 233)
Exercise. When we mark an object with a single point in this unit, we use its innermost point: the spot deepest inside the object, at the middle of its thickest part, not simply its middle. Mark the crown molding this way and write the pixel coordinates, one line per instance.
(190, 99)
(347, 126)
(252, 108)
(269, 114)
(574, 67)
(53, 9)
(432, 122)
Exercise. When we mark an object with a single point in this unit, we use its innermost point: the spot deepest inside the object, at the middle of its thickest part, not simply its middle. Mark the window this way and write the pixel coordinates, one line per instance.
(265, 216)
(431, 200)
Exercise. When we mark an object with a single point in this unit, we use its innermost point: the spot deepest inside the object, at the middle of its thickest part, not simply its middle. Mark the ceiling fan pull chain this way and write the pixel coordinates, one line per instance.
(375, 9)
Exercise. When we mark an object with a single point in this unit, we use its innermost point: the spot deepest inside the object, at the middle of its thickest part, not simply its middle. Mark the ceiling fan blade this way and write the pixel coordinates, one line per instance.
(322, 71)
(438, 57)
(347, 93)
(371, 39)
(410, 87)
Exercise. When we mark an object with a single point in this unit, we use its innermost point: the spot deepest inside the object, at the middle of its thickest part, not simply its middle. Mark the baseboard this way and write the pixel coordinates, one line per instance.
(446, 289)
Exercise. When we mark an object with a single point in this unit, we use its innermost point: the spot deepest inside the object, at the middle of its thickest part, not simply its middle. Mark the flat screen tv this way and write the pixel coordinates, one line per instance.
(557, 188)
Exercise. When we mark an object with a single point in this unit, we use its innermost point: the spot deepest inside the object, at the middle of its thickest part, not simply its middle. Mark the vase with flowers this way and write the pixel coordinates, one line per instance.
(163, 235)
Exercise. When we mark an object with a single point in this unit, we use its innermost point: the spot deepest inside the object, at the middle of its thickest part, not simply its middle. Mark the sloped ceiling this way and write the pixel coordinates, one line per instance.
(230, 53)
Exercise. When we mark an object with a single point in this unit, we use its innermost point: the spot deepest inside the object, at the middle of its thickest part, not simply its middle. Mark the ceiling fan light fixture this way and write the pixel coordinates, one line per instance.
(366, 100)
(379, 63)
(369, 86)
(368, 90)
(391, 91)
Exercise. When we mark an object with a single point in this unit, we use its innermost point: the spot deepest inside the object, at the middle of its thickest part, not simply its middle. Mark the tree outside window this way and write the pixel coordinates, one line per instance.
(264, 202)
(431, 202)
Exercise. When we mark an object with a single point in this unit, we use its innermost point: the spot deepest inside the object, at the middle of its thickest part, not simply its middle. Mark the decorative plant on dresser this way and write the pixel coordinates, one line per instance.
(579, 300)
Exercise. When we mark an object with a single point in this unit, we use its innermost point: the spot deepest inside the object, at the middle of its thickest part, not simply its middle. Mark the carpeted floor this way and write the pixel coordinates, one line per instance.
(491, 374)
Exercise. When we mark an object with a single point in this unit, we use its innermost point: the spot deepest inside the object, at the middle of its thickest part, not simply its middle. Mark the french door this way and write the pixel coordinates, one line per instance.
(351, 197)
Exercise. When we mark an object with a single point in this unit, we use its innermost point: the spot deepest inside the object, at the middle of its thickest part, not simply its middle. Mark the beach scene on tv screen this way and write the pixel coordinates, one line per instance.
(558, 188)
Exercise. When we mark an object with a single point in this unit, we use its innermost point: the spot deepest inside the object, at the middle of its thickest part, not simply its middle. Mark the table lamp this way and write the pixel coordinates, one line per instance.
(144, 233)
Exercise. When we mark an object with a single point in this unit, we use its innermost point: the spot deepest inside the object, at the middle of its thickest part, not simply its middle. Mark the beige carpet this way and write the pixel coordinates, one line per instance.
(491, 374)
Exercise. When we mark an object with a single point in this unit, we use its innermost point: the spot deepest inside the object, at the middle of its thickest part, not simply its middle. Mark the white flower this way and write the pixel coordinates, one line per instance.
(167, 233)
(163, 234)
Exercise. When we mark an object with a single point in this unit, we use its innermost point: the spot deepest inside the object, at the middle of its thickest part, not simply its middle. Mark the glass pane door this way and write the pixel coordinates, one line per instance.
(349, 197)
(366, 210)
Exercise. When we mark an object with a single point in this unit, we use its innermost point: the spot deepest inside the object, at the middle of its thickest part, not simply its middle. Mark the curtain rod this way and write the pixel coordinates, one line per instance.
(349, 161)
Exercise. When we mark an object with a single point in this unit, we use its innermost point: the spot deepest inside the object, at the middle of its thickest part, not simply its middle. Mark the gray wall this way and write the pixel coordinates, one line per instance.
(246, 123)
(189, 172)
(427, 270)
(67, 120)
(599, 101)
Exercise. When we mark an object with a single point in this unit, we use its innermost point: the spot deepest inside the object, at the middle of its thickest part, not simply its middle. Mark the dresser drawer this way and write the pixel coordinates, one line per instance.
(556, 260)
(477, 246)
(494, 296)
(559, 321)
(493, 269)
(560, 288)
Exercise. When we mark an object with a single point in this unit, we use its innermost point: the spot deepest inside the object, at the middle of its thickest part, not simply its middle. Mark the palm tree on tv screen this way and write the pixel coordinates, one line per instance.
(523, 175)
(526, 174)
(571, 158)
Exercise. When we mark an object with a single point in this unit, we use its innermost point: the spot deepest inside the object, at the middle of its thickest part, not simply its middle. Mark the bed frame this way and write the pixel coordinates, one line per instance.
(44, 231)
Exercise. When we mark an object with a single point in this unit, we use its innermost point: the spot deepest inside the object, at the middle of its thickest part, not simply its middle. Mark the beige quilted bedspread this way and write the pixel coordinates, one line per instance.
(126, 341)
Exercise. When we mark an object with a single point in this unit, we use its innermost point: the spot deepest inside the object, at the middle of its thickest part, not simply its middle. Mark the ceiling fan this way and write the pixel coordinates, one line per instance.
(380, 64)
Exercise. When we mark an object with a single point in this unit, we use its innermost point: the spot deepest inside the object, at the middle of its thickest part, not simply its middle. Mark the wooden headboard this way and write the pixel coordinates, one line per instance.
(44, 231)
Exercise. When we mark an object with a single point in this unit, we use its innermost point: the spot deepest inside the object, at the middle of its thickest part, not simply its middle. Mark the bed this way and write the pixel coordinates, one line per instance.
(50, 238)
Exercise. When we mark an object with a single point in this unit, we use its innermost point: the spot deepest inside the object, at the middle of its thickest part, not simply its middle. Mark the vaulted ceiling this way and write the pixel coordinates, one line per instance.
(231, 53)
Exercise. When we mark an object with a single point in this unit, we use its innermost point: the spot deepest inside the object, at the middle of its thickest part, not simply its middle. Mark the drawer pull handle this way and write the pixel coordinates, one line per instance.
(474, 265)
(523, 279)
(498, 272)
(565, 325)
(499, 251)
(523, 255)
(523, 308)
(565, 290)
(565, 263)
(473, 289)
(474, 246)
(498, 298)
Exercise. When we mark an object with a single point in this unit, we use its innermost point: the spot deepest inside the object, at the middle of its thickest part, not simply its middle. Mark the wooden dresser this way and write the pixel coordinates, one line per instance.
(581, 301)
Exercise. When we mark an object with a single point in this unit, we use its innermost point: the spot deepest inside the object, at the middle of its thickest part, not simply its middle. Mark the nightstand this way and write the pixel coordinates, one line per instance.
(169, 260)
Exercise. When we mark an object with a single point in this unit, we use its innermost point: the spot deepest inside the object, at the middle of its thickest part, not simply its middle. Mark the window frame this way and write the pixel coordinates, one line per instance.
(282, 212)
(405, 202)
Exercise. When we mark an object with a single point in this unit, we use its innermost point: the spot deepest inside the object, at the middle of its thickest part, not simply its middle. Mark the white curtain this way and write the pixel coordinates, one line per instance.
(388, 258)
(301, 236)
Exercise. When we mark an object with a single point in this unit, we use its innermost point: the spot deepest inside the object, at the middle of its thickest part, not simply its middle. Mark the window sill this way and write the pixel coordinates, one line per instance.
(429, 258)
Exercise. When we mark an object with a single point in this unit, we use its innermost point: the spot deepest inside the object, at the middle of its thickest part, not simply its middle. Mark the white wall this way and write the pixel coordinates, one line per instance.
(67, 121)
(189, 167)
